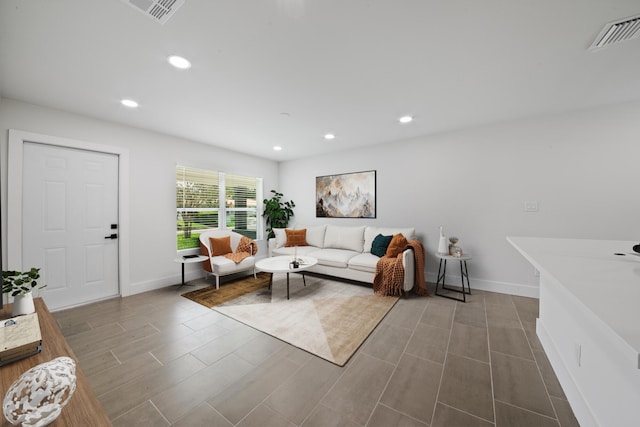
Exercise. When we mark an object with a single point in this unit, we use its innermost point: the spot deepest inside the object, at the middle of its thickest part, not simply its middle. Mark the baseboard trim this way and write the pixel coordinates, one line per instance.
(163, 282)
(492, 286)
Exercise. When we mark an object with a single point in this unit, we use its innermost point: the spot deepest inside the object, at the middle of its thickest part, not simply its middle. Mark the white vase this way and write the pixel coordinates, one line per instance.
(23, 304)
(443, 246)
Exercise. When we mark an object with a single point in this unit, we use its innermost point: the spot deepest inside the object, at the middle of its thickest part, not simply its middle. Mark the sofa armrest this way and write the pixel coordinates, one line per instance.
(271, 245)
(408, 262)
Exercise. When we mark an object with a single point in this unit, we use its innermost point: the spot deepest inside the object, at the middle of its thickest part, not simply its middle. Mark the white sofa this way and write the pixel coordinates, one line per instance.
(345, 251)
(221, 265)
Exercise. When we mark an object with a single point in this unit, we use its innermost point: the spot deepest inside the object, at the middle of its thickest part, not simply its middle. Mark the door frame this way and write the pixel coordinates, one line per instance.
(17, 138)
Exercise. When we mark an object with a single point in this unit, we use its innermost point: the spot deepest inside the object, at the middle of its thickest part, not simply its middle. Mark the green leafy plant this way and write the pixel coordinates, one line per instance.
(277, 212)
(20, 282)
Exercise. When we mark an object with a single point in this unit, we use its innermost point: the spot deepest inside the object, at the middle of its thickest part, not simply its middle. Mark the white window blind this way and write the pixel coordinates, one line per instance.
(198, 204)
(241, 204)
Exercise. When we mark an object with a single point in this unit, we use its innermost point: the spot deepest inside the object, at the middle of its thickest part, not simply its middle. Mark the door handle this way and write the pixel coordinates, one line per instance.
(112, 236)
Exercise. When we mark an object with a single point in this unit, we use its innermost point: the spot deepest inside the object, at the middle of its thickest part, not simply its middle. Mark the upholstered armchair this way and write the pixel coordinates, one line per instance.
(217, 245)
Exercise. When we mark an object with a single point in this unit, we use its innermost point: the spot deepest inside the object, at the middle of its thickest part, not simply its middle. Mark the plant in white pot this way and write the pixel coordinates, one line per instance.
(20, 284)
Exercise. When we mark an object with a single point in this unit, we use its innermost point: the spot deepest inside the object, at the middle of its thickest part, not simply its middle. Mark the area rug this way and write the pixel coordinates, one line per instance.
(210, 296)
(327, 318)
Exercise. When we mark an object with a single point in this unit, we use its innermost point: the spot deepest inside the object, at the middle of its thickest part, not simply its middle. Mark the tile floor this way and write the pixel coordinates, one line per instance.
(157, 359)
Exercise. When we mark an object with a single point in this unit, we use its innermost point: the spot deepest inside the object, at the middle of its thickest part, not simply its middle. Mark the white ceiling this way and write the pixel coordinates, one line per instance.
(285, 72)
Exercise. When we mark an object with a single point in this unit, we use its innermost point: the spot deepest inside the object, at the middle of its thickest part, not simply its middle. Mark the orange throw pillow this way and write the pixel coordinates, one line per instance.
(220, 246)
(396, 246)
(296, 237)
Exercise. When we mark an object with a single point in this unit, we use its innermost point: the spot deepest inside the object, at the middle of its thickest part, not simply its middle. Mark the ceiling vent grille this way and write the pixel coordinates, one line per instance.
(158, 10)
(614, 32)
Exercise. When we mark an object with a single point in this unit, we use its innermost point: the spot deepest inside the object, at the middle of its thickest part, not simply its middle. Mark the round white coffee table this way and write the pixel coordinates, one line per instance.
(282, 264)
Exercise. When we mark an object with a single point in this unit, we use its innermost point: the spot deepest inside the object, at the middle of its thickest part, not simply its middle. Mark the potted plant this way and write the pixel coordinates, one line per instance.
(277, 212)
(20, 284)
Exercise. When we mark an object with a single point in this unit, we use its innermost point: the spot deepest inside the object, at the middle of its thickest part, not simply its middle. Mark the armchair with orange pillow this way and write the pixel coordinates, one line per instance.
(229, 252)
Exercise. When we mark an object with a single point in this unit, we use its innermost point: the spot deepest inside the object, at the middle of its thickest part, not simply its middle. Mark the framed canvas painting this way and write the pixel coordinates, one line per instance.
(347, 195)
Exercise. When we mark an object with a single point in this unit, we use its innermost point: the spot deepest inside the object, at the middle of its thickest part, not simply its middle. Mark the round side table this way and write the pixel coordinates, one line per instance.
(464, 273)
(189, 260)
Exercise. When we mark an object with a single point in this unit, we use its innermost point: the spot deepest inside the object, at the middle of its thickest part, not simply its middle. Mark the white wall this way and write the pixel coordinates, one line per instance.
(581, 167)
(152, 159)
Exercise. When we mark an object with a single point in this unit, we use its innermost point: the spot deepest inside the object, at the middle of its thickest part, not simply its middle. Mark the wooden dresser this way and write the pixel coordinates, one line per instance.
(83, 409)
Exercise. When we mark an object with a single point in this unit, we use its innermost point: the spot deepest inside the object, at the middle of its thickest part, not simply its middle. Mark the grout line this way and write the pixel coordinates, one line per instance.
(529, 410)
(401, 413)
(444, 364)
(263, 401)
(467, 413)
(395, 368)
(159, 411)
(535, 360)
(115, 357)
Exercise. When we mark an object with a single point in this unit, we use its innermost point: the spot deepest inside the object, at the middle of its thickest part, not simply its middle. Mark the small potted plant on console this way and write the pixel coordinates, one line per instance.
(20, 284)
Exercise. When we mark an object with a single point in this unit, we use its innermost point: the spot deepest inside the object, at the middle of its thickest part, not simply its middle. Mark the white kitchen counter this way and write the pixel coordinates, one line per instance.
(589, 323)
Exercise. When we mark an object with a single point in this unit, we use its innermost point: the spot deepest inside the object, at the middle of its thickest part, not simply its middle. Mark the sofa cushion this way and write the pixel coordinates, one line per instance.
(364, 262)
(315, 235)
(294, 250)
(333, 257)
(350, 238)
(296, 237)
(396, 246)
(370, 233)
(281, 237)
(380, 245)
(220, 245)
(223, 265)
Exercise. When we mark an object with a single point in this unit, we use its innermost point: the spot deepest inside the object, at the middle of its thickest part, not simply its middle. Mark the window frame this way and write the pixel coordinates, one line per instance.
(222, 209)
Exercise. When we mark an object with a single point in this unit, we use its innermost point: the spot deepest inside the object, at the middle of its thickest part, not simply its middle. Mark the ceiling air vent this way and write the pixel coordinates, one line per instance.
(614, 32)
(158, 10)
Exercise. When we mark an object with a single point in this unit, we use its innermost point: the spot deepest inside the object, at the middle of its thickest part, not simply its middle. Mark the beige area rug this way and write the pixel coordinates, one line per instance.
(210, 296)
(328, 318)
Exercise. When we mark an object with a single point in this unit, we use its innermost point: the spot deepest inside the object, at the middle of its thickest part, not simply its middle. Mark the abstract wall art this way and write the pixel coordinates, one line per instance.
(347, 195)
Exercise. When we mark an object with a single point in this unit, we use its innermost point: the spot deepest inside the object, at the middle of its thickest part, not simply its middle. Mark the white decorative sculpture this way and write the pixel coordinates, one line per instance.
(38, 396)
(443, 247)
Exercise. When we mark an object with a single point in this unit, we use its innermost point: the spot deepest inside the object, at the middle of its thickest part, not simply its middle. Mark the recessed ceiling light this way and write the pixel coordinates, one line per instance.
(277, 148)
(179, 62)
(405, 119)
(329, 136)
(129, 103)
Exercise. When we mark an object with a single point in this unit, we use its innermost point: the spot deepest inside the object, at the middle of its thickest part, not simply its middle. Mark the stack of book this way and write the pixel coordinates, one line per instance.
(19, 338)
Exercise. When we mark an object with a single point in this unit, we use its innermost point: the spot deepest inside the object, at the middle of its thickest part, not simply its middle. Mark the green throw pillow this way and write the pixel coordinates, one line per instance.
(380, 245)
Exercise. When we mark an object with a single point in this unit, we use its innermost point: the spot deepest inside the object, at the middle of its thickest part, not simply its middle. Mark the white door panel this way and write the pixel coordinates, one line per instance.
(70, 200)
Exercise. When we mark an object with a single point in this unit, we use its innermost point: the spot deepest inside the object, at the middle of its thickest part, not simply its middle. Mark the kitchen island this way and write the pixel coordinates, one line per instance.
(589, 323)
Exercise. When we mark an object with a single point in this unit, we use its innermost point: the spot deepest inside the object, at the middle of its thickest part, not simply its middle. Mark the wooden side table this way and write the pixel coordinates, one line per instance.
(464, 273)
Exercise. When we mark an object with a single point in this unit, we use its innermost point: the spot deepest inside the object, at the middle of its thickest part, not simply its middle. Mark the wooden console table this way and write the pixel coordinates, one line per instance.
(83, 409)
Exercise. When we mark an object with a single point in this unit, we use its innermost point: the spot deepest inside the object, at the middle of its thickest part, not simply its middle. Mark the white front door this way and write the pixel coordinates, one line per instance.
(70, 222)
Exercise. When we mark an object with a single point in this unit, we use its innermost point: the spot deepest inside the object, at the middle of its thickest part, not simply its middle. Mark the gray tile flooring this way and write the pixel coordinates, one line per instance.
(157, 359)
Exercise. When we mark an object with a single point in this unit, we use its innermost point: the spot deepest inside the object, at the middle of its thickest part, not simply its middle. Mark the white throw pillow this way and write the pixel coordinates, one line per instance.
(281, 237)
(351, 238)
(315, 235)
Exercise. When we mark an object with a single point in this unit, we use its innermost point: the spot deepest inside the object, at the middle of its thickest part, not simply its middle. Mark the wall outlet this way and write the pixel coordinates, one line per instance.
(531, 206)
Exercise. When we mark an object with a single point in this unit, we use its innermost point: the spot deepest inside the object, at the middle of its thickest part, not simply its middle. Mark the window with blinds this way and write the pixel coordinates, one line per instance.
(198, 204)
